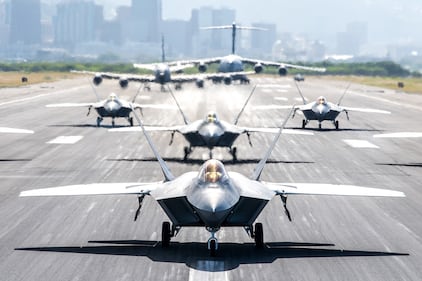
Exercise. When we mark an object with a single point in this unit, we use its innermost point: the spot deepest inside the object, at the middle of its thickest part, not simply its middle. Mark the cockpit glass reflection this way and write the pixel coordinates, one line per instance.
(112, 97)
(321, 100)
(212, 171)
(211, 117)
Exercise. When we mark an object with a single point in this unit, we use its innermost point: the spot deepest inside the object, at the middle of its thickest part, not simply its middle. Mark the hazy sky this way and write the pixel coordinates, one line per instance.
(388, 20)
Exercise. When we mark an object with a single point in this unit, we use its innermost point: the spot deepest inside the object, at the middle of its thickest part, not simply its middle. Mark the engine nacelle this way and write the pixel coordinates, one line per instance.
(97, 79)
(227, 80)
(199, 83)
(282, 71)
(258, 68)
(123, 82)
(202, 67)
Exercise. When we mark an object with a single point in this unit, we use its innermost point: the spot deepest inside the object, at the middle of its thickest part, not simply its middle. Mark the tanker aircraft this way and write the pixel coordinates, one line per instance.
(212, 197)
(210, 132)
(321, 110)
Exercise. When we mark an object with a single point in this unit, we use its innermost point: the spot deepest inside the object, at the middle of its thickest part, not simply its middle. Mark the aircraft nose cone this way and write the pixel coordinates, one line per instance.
(322, 109)
(112, 106)
(213, 204)
(211, 135)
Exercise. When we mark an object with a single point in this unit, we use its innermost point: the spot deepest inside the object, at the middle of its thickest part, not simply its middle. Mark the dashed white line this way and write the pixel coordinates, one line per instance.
(360, 144)
(208, 270)
(400, 135)
(15, 131)
(65, 140)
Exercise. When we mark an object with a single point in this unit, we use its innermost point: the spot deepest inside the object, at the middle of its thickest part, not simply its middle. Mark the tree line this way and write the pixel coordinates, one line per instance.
(382, 68)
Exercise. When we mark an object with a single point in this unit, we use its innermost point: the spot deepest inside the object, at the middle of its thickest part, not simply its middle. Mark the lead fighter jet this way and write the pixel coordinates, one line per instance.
(211, 197)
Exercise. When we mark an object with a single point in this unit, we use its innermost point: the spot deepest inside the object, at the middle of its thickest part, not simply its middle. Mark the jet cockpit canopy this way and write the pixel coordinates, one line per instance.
(213, 171)
(211, 117)
(321, 100)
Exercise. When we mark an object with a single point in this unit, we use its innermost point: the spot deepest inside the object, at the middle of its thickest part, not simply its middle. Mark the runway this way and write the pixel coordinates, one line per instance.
(96, 238)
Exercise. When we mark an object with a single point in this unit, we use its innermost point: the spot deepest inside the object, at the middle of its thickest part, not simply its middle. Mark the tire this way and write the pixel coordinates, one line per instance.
(213, 248)
(303, 124)
(259, 235)
(165, 234)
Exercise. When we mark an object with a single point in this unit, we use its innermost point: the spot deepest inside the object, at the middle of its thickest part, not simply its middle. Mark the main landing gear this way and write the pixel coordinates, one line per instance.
(187, 150)
(99, 120)
(167, 232)
(304, 123)
(233, 152)
(130, 120)
(335, 122)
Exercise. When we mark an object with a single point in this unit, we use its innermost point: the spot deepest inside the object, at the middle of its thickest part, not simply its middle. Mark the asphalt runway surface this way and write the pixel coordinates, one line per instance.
(96, 238)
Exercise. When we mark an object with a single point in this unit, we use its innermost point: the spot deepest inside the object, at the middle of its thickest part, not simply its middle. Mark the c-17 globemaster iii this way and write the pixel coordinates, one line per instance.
(212, 197)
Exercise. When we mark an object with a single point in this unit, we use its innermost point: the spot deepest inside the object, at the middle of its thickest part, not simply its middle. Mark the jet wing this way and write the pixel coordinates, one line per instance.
(118, 76)
(197, 61)
(155, 106)
(329, 189)
(368, 110)
(95, 189)
(275, 130)
(281, 64)
(71, 104)
(147, 128)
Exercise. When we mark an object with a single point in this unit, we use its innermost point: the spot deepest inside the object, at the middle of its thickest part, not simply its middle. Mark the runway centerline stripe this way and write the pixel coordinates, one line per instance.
(65, 140)
(360, 144)
(208, 270)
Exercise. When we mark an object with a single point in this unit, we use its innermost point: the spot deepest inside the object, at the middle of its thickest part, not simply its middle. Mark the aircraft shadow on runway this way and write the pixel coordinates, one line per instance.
(15, 160)
(193, 161)
(230, 255)
(329, 129)
(416, 165)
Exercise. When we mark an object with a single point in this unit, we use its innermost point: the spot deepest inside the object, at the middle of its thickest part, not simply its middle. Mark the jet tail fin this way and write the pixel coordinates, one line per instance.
(244, 105)
(95, 91)
(178, 106)
(345, 91)
(258, 169)
(300, 93)
(164, 168)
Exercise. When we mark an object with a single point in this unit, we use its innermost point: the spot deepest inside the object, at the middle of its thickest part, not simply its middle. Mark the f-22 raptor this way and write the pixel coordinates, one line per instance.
(213, 197)
(211, 132)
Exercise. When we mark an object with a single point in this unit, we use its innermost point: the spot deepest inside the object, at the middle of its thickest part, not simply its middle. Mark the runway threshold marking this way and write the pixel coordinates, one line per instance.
(360, 144)
(208, 270)
(65, 140)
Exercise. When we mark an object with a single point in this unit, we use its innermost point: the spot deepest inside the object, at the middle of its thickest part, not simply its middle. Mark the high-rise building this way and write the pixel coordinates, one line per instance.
(25, 21)
(4, 22)
(77, 22)
(147, 20)
(262, 41)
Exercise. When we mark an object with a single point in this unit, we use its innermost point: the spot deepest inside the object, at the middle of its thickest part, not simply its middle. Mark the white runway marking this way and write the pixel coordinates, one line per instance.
(15, 131)
(400, 135)
(271, 106)
(208, 270)
(360, 144)
(281, 98)
(275, 86)
(66, 140)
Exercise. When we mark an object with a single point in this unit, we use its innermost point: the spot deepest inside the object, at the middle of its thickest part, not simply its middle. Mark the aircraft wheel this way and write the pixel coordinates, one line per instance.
(234, 154)
(165, 234)
(319, 126)
(210, 154)
(303, 123)
(187, 152)
(259, 235)
(336, 124)
(213, 248)
(131, 121)
(99, 119)
(113, 123)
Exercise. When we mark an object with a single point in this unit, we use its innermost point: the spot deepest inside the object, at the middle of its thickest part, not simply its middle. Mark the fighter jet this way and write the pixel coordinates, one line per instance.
(210, 132)
(321, 110)
(212, 197)
(231, 66)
